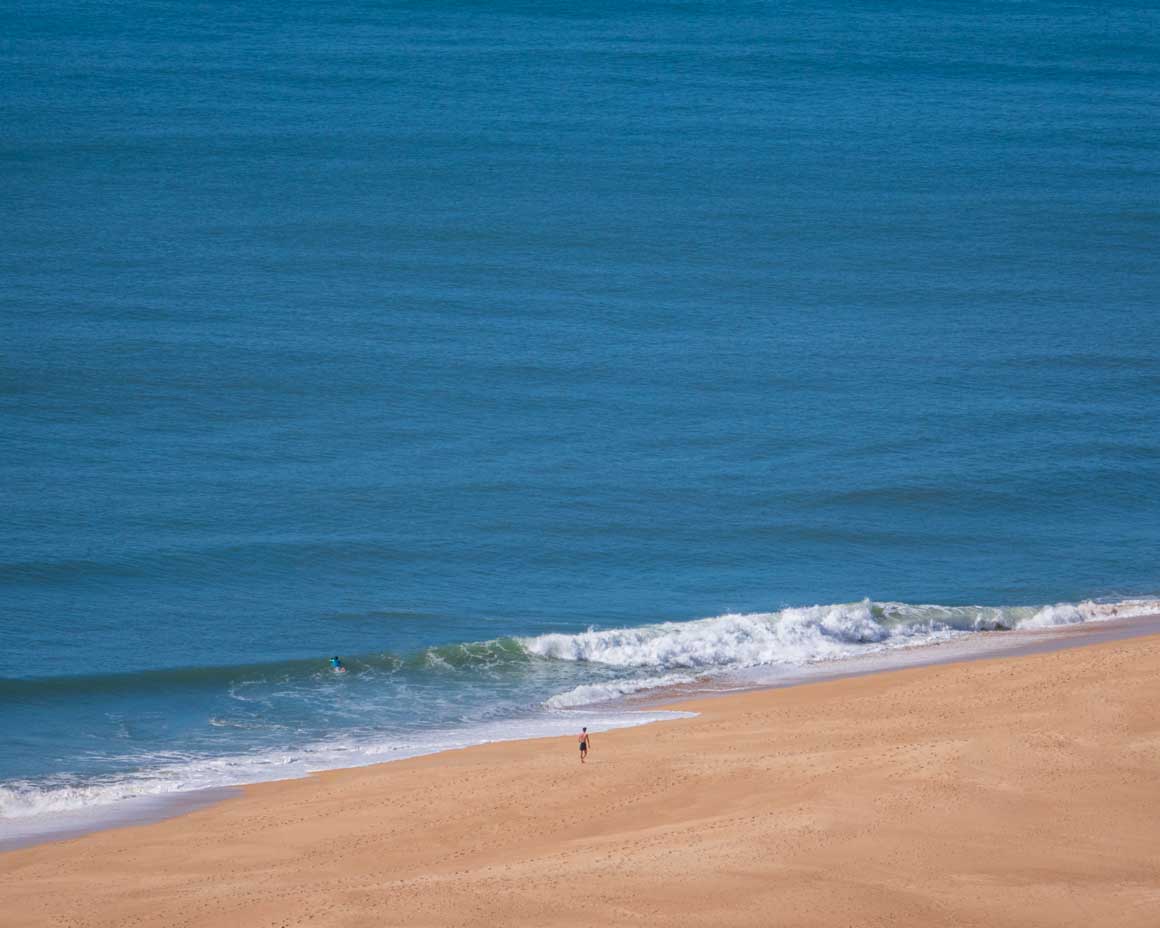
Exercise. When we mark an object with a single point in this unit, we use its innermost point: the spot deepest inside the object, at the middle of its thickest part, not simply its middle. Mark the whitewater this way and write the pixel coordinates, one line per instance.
(224, 727)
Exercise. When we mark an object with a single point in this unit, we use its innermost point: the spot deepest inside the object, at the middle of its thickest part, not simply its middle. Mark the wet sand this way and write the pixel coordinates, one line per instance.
(1010, 791)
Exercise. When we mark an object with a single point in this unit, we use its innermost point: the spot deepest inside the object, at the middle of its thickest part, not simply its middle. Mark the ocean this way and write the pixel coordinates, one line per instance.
(532, 355)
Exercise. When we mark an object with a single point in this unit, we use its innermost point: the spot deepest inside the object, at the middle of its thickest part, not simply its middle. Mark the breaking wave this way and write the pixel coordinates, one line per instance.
(809, 634)
(266, 721)
(797, 635)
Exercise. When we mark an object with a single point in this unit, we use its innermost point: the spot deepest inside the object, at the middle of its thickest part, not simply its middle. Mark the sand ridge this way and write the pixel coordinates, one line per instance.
(1016, 791)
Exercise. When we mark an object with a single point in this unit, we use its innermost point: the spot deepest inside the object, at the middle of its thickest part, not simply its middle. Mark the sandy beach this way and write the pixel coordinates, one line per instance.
(1014, 791)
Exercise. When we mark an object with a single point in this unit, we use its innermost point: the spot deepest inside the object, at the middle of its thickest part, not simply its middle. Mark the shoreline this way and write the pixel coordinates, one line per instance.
(1012, 791)
(988, 645)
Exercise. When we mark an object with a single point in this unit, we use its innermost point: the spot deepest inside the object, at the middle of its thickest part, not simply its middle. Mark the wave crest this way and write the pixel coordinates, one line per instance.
(807, 634)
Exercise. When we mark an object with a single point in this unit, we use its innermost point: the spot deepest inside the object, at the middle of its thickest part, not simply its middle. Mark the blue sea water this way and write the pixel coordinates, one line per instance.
(473, 341)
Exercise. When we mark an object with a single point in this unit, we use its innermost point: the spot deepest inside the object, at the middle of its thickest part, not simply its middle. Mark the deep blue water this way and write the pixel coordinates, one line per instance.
(364, 328)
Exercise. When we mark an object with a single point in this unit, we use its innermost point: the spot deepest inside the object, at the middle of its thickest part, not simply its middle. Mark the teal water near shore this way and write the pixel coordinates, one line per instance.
(476, 342)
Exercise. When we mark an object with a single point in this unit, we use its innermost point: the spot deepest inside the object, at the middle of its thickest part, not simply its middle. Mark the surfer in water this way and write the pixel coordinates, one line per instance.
(338, 666)
(583, 745)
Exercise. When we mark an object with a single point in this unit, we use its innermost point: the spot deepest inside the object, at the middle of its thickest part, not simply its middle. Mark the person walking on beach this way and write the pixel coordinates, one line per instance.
(583, 745)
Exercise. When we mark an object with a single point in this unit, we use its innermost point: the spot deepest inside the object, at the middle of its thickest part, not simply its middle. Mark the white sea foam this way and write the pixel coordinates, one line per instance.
(638, 659)
(160, 777)
(589, 693)
(791, 636)
(1088, 611)
(796, 637)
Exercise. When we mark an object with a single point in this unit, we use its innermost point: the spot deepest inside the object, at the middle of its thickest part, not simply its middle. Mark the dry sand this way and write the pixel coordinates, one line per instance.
(1017, 791)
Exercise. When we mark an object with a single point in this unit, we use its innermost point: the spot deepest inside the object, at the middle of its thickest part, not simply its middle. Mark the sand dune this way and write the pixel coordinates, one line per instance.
(1017, 791)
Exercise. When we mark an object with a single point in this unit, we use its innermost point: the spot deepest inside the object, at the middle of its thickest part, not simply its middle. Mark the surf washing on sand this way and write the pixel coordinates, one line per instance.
(134, 740)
